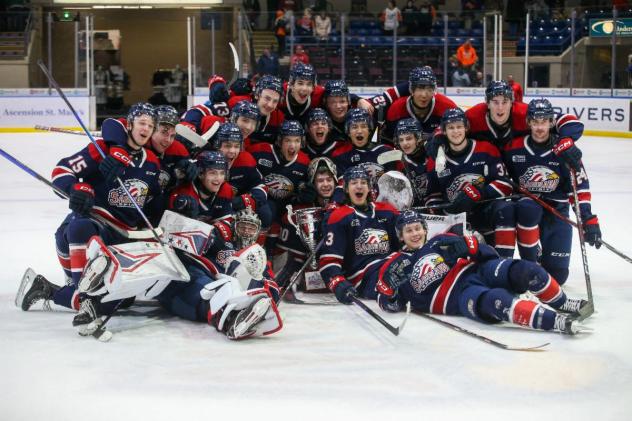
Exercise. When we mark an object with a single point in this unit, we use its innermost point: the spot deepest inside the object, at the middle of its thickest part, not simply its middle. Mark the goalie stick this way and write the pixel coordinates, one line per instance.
(394, 330)
(168, 252)
(481, 337)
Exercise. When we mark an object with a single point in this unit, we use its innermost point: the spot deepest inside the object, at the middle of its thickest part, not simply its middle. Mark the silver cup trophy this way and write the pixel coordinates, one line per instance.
(306, 222)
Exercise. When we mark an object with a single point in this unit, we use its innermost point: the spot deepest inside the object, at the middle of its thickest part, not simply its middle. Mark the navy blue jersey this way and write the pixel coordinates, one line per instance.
(537, 169)
(346, 155)
(141, 178)
(327, 149)
(356, 240)
(193, 116)
(215, 208)
(479, 164)
(416, 171)
(281, 178)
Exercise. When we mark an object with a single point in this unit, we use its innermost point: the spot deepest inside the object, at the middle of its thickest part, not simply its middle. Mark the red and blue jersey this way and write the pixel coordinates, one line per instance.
(215, 208)
(404, 108)
(282, 178)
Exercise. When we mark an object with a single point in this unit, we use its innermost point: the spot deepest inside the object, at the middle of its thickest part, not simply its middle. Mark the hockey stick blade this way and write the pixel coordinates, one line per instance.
(390, 156)
(485, 339)
(102, 334)
(394, 330)
(190, 135)
(235, 64)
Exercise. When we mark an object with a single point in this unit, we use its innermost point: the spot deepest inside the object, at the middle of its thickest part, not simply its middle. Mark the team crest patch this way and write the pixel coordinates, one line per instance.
(279, 186)
(138, 190)
(540, 179)
(420, 183)
(372, 241)
(462, 180)
(430, 269)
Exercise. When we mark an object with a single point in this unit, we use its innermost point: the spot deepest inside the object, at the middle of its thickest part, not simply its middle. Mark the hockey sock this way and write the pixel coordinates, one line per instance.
(505, 241)
(530, 314)
(529, 276)
(529, 242)
(67, 296)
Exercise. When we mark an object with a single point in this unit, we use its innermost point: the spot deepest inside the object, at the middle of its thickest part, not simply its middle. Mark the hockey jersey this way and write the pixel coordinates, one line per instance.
(282, 178)
(404, 108)
(216, 208)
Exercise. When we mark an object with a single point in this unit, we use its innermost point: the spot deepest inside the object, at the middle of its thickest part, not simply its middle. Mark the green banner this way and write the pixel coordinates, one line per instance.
(605, 27)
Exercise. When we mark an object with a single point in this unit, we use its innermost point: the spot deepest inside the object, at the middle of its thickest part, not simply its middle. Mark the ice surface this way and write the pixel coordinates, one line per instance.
(328, 362)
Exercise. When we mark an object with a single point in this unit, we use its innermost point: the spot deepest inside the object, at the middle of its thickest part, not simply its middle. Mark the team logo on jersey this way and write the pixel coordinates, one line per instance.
(460, 181)
(265, 162)
(138, 189)
(420, 183)
(279, 186)
(372, 241)
(430, 269)
(223, 256)
(540, 179)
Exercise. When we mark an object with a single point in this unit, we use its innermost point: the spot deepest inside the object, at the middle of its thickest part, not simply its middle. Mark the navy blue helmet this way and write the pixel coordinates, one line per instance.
(357, 115)
(245, 109)
(453, 115)
(421, 76)
(336, 88)
(141, 108)
(408, 217)
(268, 82)
(540, 108)
(302, 71)
(291, 128)
(496, 88)
(207, 160)
(354, 173)
(166, 114)
(408, 125)
(318, 114)
(228, 132)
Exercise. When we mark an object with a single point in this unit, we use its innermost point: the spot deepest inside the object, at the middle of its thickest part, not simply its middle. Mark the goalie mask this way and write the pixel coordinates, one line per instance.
(247, 228)
(319, 164)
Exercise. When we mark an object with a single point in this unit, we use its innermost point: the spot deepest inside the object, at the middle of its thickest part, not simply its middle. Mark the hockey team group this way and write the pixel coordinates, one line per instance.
(224, 193)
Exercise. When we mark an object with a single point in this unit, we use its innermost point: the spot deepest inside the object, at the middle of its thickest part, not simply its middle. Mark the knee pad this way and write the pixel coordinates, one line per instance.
(504, 214)
(494, 305)
(525, 275)
(528, 212)
(80, 230)
(560, 274)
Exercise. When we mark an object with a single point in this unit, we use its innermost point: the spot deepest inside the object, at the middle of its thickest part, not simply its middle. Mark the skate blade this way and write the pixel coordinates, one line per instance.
(27, 280)
(90, 328)
(258, 311)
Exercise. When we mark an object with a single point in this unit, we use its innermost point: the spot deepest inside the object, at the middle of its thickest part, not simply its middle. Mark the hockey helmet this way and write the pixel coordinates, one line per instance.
(408, 217)
(228, 132)
(139, 109)
(357, 115)
(496, 88)
(453, 115)
(291, 128)
(336, 88)
(318, 114)
(355, 173)
(166, 114)
(302, 71)
(246, 109)
(540, 108)
(268, 82)
(421, 76)
(207, 160)
(319, 164)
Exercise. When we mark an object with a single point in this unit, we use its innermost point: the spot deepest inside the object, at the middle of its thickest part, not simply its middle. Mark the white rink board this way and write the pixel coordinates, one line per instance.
(26, 108)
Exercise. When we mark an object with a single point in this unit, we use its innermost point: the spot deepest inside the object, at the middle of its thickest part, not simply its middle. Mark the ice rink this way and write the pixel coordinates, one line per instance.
(328, 362)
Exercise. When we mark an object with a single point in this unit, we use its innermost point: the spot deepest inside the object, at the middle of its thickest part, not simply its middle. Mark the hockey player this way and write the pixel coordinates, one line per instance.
(542, 237)
(301, 93)
(98, 202)
(267, 94)
(409, 139)
(424, 104)
(456, 275)
(244, 114)
(357, 235)
(318, 128)
(337, 102)
(215, 106)
(474, 172)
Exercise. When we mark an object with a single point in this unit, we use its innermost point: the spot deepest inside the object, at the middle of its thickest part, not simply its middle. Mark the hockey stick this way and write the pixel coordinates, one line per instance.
(481, 337)
(190, 135)
(62, 130)
(176, 264)
(132, 235)
(394, 330)
(582, 241)
(447, 205)
(557, 214)
(298, 273)
(235, 63)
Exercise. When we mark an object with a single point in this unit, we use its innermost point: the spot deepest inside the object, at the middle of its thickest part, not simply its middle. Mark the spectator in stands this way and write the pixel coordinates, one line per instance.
(322, 26)
(305, 24)
(409, 16)
(280, 30)
(268, 63)
(469, 8)
(426, 14)
(466, 55)
(517, 89)
(299, 55)
(390, 17)
(460, 77)
(479, 80)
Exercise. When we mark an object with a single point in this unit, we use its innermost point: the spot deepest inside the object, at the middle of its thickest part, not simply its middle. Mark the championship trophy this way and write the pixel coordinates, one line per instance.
(307, 224)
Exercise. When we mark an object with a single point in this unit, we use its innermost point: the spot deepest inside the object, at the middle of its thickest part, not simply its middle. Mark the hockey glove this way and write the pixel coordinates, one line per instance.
(389, 303)
(114, 164)
(306, 194)
(465, 199)
(244, 201)
(186, 205)
(343, 289)
(571, 154)
(186, 170)
(241, 86)
(454, 248)
(592, 232)
(81, 199)
(432, 145)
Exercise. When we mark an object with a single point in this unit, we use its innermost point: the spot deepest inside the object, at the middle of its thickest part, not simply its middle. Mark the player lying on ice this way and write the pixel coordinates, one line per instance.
(241, 302)
(456, 275)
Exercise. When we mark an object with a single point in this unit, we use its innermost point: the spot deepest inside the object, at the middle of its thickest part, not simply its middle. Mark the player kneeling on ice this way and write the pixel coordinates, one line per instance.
(456, 275)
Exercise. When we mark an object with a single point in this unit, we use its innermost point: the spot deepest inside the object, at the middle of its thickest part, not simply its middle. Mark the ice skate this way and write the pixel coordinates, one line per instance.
(577, 307)
(248, 317)
(34, 288)
(568, 325)
(87, 320)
